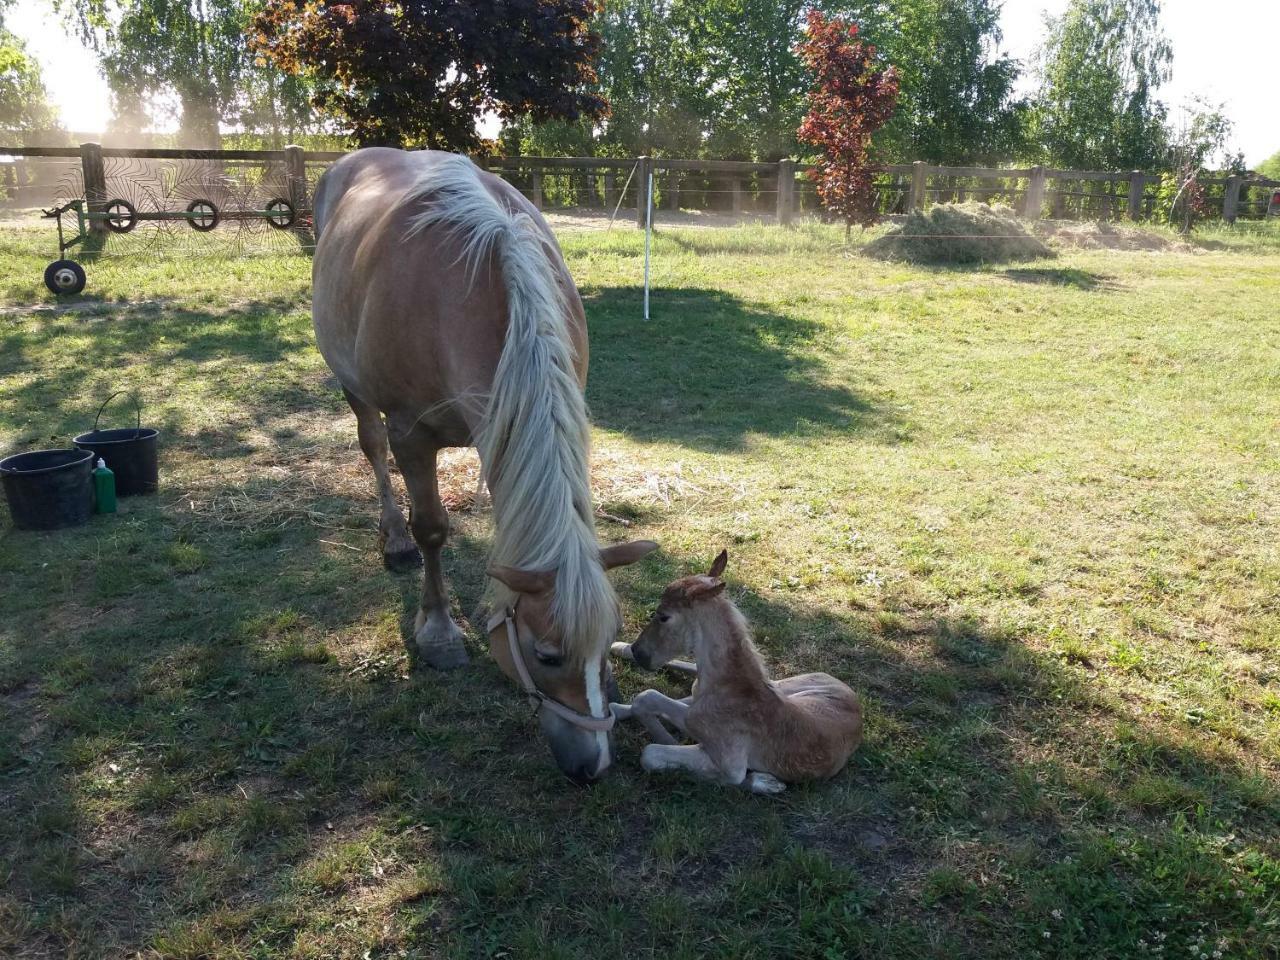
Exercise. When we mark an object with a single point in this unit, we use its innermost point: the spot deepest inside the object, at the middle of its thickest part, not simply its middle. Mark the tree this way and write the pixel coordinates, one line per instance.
(423, 71)
(1100, 69)
(194, 52)
(24, 104)
(1198, 138)
(1270, 167)
(853, 95)
(688, 78)
(957, 104)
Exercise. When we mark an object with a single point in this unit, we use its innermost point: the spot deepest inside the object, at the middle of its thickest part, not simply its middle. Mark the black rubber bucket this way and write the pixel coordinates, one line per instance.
(130, 453)
(48, 489)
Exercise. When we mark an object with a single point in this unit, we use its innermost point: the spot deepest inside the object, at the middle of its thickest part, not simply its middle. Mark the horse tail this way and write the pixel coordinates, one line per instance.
(535, 436)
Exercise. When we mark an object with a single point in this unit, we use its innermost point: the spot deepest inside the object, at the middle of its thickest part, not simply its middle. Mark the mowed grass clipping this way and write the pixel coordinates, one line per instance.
(1030, 513)
(960, 233)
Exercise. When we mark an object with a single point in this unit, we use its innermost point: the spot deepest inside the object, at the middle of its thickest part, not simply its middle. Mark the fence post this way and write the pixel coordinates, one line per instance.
(1137, 187)
(642, 182)
(610, 187)
(786, 191)
(919, 171)
(536, 189)
(95, 183)
(1033, 204)
(673, 181)
(737, 195)
(295, 176)
(1231, 199)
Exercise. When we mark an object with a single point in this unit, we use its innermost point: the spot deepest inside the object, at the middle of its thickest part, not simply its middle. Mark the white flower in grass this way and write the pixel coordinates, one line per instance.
(873, 579)
(1057, 914)
(1046, 934)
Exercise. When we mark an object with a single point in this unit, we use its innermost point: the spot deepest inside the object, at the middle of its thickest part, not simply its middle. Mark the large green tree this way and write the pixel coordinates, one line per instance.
(1100, 69)
(193, 54)
(687, 78)
(957, 103)
(1270, 167)
(24, 104)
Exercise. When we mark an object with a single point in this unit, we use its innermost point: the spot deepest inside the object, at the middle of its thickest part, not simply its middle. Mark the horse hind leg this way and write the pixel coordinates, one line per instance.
(438, 638)
(398, 550)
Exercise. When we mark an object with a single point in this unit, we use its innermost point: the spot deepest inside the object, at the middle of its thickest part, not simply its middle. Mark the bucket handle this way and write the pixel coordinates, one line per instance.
(137, 407)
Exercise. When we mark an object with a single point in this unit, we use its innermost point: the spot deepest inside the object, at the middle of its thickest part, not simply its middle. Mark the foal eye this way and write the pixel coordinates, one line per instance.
(664, 617)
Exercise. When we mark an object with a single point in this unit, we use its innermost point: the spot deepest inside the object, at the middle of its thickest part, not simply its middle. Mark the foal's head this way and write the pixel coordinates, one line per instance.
(673, 628)
(577, 679)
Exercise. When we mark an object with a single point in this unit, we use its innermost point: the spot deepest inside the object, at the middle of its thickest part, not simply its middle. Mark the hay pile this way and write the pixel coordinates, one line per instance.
(960, 233)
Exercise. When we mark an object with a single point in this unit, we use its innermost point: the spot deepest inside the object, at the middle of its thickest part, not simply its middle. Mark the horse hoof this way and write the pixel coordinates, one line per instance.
(408, 559)
(440, 644)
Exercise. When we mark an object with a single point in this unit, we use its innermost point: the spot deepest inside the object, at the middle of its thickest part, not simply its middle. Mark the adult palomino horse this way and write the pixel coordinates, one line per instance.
(441, 303)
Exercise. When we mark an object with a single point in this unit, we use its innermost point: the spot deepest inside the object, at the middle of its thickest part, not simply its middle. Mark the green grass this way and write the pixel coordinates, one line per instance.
(1032, 516)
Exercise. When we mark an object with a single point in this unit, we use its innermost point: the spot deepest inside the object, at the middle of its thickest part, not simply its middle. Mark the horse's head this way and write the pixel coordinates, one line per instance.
(572, 688)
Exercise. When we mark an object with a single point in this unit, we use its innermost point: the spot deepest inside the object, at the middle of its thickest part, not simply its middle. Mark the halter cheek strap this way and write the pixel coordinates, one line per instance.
(583, 720)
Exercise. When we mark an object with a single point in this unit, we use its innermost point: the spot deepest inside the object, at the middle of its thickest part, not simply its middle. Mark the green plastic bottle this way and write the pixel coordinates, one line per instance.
(104, 488)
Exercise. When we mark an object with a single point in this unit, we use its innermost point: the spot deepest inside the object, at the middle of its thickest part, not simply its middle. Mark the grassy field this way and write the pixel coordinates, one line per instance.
(1031, 514)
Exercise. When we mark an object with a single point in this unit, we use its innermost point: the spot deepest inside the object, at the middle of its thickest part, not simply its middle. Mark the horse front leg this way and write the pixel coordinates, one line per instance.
(398, 551)
(438, 638)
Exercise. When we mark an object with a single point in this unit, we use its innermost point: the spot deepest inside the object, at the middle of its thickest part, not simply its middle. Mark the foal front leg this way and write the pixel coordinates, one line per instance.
(438, 638)
(651, 707)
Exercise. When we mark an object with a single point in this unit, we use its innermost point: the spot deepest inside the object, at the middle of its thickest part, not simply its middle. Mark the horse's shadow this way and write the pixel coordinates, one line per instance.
(711, 370)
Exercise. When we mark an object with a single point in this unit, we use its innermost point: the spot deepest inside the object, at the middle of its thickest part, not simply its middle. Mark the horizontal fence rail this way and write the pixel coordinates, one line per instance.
(31, 176)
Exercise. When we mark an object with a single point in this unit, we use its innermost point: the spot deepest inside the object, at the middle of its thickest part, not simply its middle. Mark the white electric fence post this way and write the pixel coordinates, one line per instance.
(648, 231)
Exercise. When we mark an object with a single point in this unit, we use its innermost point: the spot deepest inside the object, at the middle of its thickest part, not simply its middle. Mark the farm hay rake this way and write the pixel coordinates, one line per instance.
(182, 206)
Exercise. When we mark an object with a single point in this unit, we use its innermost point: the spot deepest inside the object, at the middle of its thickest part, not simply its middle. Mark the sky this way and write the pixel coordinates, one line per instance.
(1222, 50)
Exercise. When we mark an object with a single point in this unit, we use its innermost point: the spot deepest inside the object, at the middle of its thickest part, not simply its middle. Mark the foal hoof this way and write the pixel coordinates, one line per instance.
(764, 783)
(439, 642)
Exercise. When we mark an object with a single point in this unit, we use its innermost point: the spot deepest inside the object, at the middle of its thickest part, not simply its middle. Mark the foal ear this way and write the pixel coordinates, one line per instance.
(524, 581)
(705, 591)
(621, 554)
(718, 565)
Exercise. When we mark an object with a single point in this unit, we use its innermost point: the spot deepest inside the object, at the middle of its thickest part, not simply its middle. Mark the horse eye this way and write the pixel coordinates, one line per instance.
(548, 659)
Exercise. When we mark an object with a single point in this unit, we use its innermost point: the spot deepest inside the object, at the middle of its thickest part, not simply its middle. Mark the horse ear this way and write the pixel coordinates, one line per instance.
(718, 565)
(524, 581)
(621, 554)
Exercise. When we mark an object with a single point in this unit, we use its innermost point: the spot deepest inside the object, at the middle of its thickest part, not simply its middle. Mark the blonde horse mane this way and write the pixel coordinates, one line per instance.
(535, 437)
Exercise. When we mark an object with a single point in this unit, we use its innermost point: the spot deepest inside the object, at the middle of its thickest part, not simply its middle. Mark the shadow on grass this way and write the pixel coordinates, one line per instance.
(711, 371)
(1063, 277)
(231, 756)
(211, 744)
(49, 404)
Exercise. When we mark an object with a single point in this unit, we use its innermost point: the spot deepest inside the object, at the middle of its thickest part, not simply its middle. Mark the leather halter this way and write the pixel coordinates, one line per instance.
(583, 720)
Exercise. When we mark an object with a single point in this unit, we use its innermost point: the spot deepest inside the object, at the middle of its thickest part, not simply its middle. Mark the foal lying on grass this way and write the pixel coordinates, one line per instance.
(750, 731)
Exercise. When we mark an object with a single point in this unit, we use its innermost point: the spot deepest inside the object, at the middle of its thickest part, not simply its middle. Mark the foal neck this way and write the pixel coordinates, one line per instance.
(724, 650)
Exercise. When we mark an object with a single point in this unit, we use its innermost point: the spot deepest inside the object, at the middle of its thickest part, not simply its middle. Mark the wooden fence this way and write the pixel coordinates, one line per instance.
(779, 190)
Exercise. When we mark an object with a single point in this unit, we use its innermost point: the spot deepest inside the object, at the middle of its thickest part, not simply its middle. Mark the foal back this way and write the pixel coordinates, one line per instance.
(816, 728)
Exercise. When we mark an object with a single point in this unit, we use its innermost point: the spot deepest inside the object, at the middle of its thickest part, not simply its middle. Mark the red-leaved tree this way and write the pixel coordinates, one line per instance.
(853, 95)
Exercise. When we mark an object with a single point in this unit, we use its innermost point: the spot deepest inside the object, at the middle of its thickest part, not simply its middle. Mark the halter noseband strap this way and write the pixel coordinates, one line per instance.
(583, 720)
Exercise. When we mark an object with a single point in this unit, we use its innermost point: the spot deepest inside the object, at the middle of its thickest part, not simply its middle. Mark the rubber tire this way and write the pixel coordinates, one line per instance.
(286, 207)
(51, 277)
(128, 224)
(203, 227)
